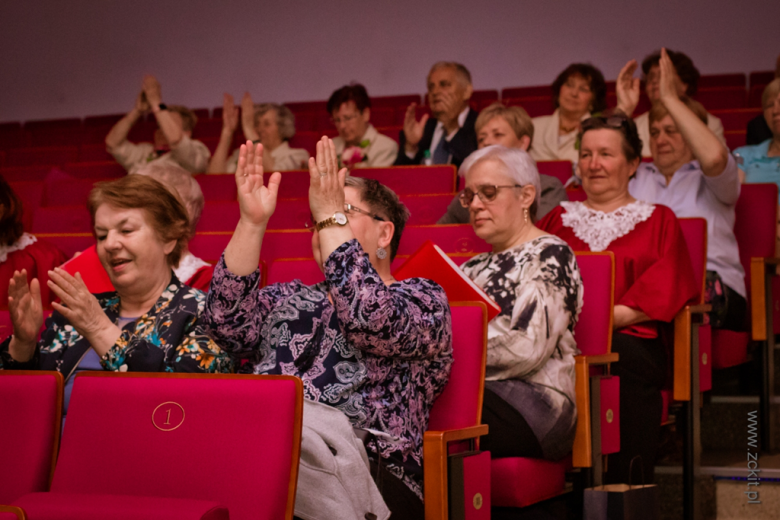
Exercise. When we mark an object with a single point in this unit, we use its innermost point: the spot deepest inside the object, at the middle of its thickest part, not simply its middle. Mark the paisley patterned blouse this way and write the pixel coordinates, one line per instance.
(380, 354)
(169, 338)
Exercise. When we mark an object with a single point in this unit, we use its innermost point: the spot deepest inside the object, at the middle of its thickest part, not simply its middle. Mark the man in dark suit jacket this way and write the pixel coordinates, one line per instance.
(448, 137)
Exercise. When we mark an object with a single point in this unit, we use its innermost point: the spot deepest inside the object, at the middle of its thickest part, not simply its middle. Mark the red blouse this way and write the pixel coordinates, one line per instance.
(38, 258)
(653, 272)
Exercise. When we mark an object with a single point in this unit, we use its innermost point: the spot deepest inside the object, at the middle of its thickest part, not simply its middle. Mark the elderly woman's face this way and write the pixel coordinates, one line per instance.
(268, 129)
(604, 169)
(129, 248)
(575, 95)
(653, 84)
(497, 220)
(772, 115)
(498, 131)
(350, 122)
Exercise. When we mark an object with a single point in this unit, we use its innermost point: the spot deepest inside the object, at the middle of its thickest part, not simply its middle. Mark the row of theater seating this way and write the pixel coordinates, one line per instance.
(716, 92)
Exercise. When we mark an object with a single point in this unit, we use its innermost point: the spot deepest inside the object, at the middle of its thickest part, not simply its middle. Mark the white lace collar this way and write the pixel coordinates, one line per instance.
(25, 240)
(599, 229)
(188, 266)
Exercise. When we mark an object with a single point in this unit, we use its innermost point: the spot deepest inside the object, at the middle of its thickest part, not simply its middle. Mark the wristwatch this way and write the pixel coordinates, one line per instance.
(337, 218)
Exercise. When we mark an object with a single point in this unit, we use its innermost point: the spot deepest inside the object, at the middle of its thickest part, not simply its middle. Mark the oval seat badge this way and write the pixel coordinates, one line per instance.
(168, 416)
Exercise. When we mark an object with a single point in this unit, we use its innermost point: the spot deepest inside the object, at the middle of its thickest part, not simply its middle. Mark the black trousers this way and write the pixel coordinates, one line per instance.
(509, 433)
(642, 371)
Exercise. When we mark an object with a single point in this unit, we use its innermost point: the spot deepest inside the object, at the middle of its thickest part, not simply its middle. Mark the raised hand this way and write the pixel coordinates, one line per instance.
(78, 305)
(248, 117)
(413, 129)
(256, 201)
(152, 89)
(141, 104)
(667, 86)
(326, 182)
(24, 306)
(627, 88)
(229, 114)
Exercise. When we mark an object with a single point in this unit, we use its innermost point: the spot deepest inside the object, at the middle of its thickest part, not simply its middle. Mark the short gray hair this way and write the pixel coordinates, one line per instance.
(461, 71)
(181, 184)
(285, 120)
(518, 165)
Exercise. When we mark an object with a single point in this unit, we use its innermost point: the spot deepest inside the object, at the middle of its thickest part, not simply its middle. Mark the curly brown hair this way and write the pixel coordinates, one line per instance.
(384, 202)
(166, 212)
(592, 75)
(11, 226)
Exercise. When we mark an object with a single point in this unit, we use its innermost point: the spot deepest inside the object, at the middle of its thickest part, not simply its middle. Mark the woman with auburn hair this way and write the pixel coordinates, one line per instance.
(150, 323)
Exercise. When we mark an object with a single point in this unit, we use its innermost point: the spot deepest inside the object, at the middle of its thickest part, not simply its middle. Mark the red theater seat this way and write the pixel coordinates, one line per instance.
(31, 408)
(54, 132)
(201, 113)
(307, 106)
(755, 95)
(722, 80)
(383, 116)
(411, 180)
(760, 78)
(735, 139)
(426, 209)
(12, 513)
(396, 102)
(535, 106)
(102, 170)
(159, 417)
(63, 219)
(526, 92)
(31, 195)
(49, 156)
(219, 216)
(722, 98)
(482, 98)
(94, 151)
(736, 119)
(217, 187)
(67, 192)
(451, 238)
(69, 243)
(284, 270)
(561, 170)
(289, 214)
(207, 128)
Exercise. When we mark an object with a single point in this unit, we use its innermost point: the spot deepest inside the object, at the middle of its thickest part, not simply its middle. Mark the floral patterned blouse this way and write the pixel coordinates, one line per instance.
(168, 338)
(380, 354)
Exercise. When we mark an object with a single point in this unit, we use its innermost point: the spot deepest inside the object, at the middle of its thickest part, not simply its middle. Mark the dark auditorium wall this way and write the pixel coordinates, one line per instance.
(79, 57)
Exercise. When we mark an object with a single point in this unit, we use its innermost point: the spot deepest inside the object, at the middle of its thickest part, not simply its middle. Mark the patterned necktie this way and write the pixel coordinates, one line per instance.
(441, 155)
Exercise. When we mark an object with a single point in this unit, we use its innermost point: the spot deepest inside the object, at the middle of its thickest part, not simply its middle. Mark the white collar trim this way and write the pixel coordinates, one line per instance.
(599, 229)
(188, 266)
(25, 240)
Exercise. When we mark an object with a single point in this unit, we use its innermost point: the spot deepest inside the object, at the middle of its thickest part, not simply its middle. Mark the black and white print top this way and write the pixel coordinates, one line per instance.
(538, 287)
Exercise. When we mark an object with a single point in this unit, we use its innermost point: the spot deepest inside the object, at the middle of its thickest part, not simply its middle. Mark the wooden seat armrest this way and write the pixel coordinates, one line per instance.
(581, 451)
(700, 309)
(599, 359)
(435, 470)
(18, 511)
(758, 309)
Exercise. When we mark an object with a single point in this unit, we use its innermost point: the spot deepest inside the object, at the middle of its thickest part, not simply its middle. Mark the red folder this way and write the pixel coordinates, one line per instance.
(432, 263)
(92, 272)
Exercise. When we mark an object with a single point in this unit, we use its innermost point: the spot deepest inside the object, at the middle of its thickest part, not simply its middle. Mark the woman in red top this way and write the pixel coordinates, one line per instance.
(20, 250)
(653, 277)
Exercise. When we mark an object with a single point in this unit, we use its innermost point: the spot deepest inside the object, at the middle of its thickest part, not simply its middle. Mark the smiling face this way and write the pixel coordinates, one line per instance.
(498, 131)
(131, 252)
(575, 96)
(497, 221)
(369, 232)
(604, 169)
(351, 123)
(669, 149)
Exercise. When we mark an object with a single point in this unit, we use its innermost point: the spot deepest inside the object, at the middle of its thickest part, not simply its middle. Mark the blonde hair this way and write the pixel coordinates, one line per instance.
(181, 183)
(188, 117)
(659, 111)
(517, 118)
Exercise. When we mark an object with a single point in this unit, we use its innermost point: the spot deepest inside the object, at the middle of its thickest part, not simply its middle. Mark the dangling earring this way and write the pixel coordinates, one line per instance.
(525, 215)
(381, 253)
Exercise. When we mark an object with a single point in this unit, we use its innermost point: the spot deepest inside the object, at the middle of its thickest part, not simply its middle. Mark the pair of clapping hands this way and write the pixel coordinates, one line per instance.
(150, 95)
(627, 86)
(257, 202)
(78, 306)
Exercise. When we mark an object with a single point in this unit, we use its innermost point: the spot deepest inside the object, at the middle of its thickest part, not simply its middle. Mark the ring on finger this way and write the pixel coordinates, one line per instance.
(323, 174)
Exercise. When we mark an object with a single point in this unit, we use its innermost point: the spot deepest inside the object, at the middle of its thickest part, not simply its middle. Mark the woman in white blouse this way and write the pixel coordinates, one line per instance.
(578, 92)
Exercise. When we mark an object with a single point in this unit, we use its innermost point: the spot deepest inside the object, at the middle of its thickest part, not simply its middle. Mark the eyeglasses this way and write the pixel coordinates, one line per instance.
(343, 119)
(349, 209)
(617, 122)
(487, 193)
